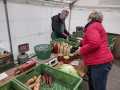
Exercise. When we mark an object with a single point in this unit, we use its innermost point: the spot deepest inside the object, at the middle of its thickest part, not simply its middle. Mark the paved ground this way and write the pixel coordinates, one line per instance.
(114, 77)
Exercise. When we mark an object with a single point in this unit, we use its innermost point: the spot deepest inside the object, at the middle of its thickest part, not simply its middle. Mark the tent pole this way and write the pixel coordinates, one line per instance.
(8, 27)
(71, 6)
(69, 20)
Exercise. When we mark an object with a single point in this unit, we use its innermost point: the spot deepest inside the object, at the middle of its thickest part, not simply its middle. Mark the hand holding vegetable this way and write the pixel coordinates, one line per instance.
(77, 52)
(79, 39)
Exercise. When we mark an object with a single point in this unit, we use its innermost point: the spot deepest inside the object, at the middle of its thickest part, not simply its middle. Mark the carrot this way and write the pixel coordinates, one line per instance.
(30, 81)
(37, 86)
(43, 79)
(17, 72)
(46, 78)
(35, 78)
(31, 86)
(50, 81)
(37, 83)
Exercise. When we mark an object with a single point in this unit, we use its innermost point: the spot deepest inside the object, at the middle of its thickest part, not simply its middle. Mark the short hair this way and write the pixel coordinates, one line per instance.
(95, 15)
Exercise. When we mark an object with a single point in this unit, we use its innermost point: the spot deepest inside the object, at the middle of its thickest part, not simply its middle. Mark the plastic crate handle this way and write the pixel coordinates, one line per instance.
(29, 71)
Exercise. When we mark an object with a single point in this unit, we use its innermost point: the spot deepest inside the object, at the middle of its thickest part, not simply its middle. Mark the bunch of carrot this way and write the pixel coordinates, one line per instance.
(35, 82)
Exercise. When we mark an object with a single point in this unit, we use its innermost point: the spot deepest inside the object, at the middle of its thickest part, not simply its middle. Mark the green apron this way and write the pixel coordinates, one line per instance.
(54, 35)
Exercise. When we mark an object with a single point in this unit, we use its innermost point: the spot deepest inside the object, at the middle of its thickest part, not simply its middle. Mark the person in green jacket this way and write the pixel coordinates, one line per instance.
(58, 25)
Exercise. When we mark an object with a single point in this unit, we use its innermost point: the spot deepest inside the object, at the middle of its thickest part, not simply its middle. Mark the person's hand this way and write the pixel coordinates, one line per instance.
(77, 52)
(79, 39)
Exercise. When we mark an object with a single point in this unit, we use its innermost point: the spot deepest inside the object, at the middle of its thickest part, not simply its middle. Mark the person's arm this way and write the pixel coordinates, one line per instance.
(65, 30)
(57, 28)
(94, 42)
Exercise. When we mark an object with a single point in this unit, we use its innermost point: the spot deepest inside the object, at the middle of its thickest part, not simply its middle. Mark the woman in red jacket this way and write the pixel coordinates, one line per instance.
(95, 52)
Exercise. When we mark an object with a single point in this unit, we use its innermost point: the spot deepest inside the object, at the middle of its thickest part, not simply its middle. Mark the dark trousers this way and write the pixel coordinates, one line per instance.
(98, 76)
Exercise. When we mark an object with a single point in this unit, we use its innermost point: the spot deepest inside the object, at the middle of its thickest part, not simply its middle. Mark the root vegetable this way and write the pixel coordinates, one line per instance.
(43, 79)
(35, 77)
(17, 71)
(66, 57)
(31, 86)
(50, 81)
(30, 81)
(37, 83)
(46, 79)
(37, 86)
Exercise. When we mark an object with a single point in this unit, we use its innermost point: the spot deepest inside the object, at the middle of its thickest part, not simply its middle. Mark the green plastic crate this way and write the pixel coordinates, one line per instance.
(43, 51)
(12, 85)
(62, 81)
(110, 38)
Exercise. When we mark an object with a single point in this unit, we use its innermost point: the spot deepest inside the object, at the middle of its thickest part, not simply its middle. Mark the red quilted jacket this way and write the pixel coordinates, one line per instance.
(95, 49)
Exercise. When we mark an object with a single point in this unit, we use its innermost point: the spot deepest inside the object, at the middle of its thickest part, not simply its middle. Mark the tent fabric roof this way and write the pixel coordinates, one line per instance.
(99, 3)
(92, 2)
(80, 2)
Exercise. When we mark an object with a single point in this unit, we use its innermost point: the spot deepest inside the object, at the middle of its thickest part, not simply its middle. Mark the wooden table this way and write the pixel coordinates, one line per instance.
(10, 74)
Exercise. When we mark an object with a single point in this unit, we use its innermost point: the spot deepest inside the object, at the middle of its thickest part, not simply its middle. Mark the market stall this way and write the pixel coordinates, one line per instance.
(36, 61)
(57, 60)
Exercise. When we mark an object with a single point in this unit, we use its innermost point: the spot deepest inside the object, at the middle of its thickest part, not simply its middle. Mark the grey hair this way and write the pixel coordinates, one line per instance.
(65, 11)
(95, 15)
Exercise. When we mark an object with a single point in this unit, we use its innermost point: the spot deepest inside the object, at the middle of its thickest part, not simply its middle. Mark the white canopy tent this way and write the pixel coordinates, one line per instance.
(30, 20)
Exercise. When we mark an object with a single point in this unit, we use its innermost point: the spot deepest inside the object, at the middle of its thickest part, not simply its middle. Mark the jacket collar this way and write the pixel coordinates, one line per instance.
(89, 23)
